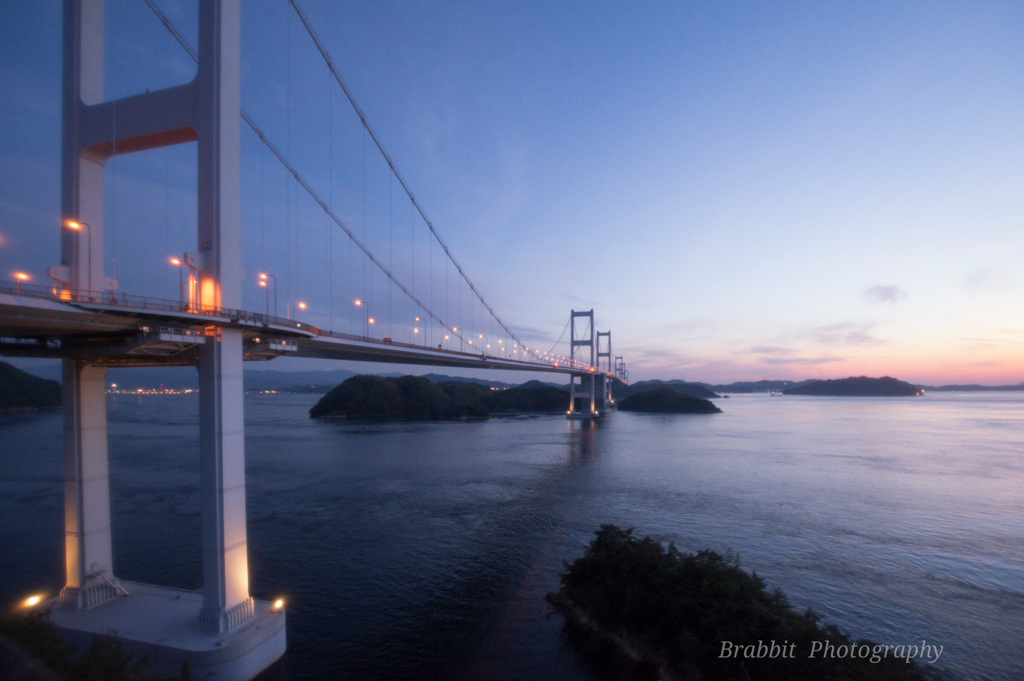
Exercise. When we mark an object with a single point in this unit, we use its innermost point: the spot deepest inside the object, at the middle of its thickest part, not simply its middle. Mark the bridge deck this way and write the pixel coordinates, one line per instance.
(121, 330)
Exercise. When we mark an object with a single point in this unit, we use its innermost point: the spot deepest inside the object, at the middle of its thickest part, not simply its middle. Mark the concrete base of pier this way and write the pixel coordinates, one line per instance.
(162, 624)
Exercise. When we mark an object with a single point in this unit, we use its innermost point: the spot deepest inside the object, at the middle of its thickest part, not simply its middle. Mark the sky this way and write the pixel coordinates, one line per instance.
(738, 190)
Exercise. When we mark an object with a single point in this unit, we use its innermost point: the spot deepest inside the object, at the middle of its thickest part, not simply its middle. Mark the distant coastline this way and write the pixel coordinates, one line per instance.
(132, 379)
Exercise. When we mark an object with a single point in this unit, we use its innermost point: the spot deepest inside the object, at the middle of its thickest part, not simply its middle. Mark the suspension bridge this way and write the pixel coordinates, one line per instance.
(356, 287)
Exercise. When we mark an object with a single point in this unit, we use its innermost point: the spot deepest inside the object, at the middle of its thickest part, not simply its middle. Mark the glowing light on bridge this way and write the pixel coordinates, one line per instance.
(369, 320)
(77, 226)
(265, 278)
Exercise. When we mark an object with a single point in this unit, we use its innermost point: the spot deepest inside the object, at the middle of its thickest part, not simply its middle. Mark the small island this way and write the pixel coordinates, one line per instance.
(20, 390)
(667, 400)
(416, 398)
(692, 389)
(856, 387)
(700, 616)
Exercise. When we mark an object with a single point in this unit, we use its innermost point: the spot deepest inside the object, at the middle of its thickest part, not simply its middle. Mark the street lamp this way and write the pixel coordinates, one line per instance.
(298, 306)
(20, 277)
(366, 325)
(263, 278)
(266, 297)
(181, 285)
(78, 227)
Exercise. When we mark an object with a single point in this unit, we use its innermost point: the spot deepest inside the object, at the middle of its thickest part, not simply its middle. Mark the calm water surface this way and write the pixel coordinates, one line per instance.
(423, 551)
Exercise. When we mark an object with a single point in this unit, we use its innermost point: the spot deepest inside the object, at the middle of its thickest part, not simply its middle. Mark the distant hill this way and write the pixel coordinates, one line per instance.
(318, 381)
(973, 388)
(20, 390)
(255, 377)
(764, 386)
(442, 378)
(667, 400)
(861, 386)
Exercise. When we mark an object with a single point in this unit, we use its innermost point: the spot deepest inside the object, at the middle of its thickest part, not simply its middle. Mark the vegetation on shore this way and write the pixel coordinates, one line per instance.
(676, 613)
(21, 390)
(416, 398)
(861, 386)
(667, 400)
(31, 648)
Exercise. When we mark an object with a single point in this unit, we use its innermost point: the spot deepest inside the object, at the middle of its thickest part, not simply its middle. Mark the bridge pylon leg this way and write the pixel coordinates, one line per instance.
(87, 543)
(226, 600)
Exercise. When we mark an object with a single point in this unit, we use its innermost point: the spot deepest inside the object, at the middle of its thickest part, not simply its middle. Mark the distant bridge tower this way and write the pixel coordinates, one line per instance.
(605, 366)
(205, 111)
(582, 388)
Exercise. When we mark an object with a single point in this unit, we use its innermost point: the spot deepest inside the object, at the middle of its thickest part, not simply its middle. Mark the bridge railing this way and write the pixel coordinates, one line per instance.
(114, 300)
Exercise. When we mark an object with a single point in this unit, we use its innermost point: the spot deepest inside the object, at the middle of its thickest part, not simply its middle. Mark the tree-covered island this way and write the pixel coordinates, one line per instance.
(689, 616)
(667, 400)
(860, 386)
(416, 398)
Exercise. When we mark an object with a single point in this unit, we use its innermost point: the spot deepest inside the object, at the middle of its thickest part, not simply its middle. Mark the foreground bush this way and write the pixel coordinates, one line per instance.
(104, 660)
(700, 616)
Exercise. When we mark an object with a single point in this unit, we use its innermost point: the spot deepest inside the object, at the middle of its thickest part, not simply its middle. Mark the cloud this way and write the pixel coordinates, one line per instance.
(981, 280)
(884, 294)
(803, 360)
(845, 333)
(992, 341)
(773, 355)
(771, 350)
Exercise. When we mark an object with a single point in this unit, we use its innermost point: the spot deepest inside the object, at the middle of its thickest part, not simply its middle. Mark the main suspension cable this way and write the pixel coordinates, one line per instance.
(325, 207)
(391, 165)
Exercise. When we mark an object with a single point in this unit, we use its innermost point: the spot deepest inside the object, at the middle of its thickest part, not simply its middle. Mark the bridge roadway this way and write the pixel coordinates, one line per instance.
(125, 330)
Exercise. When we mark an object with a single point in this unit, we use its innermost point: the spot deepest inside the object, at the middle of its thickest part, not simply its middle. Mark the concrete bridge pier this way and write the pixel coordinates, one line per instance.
(87, 544)
(226, 600)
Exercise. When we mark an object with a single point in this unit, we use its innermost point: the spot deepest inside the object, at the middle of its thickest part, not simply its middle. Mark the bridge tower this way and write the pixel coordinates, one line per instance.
(582, 385)
(223, 631)
(620, 369)
(606, 354)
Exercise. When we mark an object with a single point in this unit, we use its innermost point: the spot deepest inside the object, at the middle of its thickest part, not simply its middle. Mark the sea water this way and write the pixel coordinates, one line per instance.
(424, 550)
